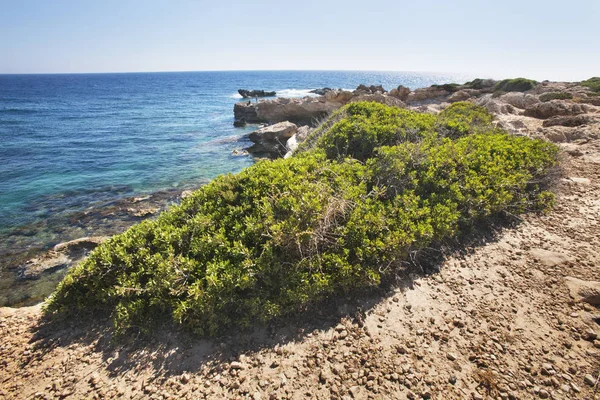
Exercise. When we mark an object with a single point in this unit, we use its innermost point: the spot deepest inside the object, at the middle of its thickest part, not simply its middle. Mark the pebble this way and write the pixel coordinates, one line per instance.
(236, 365)
(589, 380)
(590, 335)
(451, 356)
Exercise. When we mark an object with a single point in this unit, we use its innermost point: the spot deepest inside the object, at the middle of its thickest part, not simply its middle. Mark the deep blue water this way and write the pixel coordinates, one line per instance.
(68, 142)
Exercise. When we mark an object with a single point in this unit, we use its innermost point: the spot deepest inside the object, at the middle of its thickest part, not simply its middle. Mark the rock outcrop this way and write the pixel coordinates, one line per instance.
(301, 111)
(251, 94)
(554, 108)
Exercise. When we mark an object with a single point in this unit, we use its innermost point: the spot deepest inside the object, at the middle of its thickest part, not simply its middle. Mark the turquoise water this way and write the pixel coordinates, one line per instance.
(81, 142)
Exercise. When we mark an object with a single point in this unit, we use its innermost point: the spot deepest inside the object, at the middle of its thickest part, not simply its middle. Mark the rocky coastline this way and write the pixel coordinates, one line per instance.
(514, 316)
(559, 106)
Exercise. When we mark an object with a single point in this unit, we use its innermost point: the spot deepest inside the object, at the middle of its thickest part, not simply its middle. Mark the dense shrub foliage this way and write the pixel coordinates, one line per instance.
(515, 85)
(592, 83)
(555, 96)
(377, 184)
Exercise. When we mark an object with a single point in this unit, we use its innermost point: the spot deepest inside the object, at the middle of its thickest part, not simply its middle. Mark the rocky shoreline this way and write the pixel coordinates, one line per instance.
(560, 106)
(33, 261)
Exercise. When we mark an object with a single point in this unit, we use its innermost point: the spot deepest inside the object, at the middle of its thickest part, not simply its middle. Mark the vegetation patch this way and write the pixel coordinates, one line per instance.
(515, 85)
(555, 96)
(376, 185)
(592, 83)
(478, 84)
(449, 87)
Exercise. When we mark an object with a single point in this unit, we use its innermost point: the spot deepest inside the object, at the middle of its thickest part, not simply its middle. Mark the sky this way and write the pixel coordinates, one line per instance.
(556, 40)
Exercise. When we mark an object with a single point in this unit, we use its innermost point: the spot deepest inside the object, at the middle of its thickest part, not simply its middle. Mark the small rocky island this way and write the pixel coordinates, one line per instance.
(252, 94)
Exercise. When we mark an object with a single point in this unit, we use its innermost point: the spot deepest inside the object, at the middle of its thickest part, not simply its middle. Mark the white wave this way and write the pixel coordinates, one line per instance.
(295, 93)
(236, 96)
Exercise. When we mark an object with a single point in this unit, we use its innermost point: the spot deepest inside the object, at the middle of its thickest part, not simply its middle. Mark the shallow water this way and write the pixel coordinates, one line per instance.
(74, 148)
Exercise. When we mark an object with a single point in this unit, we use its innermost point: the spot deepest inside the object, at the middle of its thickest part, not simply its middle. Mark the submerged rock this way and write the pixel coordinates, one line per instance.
(321, 92)
(63, 255)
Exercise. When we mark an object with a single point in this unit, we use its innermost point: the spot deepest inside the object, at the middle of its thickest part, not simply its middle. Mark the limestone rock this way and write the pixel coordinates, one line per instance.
(569, 121)
(553, 108)
(271, 141)
(277, 132)
(520, 100)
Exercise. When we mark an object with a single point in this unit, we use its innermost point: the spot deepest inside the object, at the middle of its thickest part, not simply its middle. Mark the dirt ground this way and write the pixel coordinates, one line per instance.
(502, 320)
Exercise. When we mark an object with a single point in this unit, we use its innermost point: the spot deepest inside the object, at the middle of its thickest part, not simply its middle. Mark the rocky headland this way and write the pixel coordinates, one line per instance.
(513, 316)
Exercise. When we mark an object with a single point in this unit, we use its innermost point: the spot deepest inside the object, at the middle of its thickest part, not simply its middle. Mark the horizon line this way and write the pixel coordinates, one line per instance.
(233, 70)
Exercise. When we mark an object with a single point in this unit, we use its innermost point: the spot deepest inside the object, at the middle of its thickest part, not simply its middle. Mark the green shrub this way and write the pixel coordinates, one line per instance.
(379, 184)
(370, 125)
(515, 85)
(449, 87)
(478, 84)
(592, 83)
(555, 96)
(462, 118)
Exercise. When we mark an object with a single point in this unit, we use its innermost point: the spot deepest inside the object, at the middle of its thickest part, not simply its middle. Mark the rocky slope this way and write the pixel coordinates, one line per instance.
(514, 316)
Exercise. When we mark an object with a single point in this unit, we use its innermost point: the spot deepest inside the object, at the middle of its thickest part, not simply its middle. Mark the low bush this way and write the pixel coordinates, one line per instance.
(378, 184)
(479, 83)
(555, 96)
(449, 87)
(462, 118)
(592, 83)
(515, 85)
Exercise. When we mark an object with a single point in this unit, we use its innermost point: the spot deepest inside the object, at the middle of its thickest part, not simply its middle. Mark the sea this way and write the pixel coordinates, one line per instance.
(78, 151)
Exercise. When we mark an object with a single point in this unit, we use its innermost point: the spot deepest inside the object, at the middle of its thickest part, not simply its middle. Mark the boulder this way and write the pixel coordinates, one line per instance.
(461, 95)
(271, 141)
(339, 96)
(520, 100)
(280, 132)
(554, 108)
(251, 94)
(401, 92)
(568, 121)
(363, 89)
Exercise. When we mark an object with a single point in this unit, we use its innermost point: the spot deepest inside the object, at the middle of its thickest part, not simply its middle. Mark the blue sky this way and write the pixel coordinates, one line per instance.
(538, 39)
